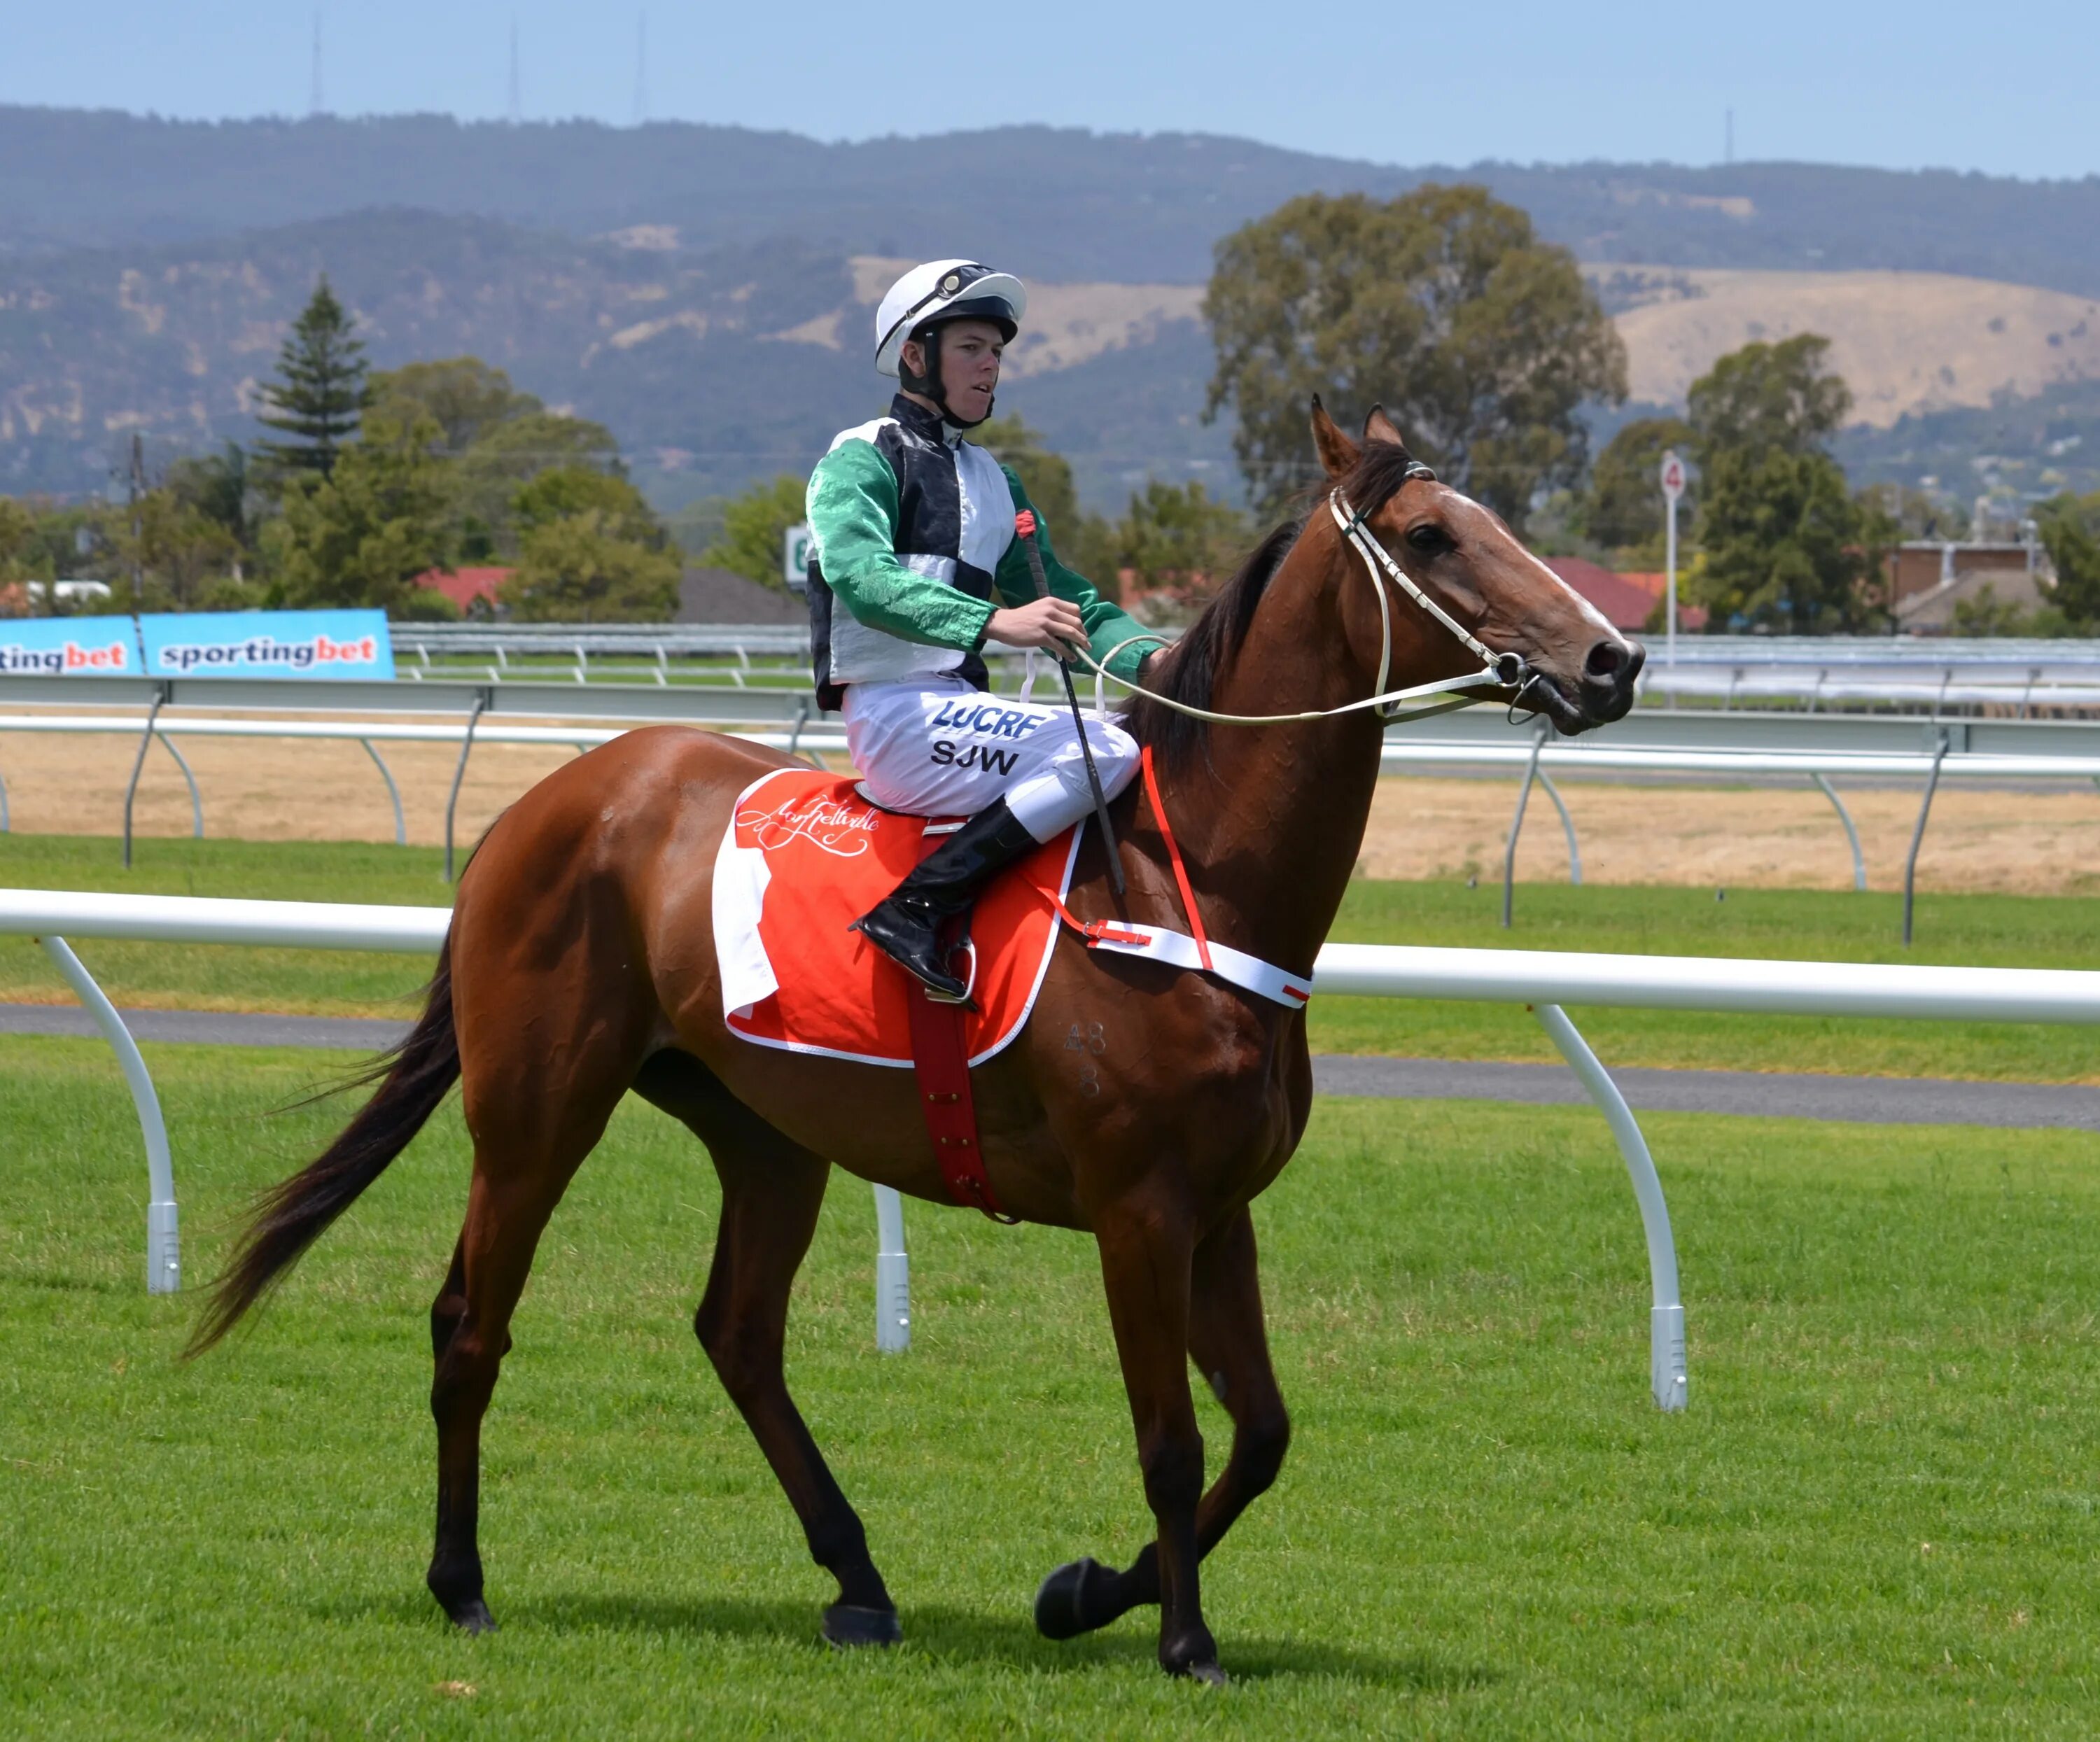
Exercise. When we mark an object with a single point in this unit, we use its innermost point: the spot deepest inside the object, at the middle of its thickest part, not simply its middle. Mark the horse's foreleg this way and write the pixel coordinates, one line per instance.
(1230, 1348)
(772, 1189)
(1147, 1264)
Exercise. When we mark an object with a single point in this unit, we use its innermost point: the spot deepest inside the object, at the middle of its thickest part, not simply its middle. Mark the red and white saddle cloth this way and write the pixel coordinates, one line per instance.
(805, 855)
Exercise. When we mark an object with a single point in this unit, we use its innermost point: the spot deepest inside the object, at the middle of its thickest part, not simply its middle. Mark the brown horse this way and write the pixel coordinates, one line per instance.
(579, 965)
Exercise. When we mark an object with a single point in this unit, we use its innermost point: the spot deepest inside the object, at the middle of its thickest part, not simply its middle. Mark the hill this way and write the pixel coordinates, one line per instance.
(711, 368)
(1909, 343)
(1056, 204)
(704, 291)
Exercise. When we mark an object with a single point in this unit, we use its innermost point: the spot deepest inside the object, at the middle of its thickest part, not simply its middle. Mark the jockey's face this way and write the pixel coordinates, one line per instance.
(970, 351)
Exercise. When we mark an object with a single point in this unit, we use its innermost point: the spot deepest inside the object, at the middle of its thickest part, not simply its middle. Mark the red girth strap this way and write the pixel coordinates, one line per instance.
(1174, 857)
(942, 1065)
(940, 1060)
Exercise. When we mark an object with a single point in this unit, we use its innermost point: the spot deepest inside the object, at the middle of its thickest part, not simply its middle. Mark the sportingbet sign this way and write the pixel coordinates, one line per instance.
(68, 647)
(296, 644)
(300, 644)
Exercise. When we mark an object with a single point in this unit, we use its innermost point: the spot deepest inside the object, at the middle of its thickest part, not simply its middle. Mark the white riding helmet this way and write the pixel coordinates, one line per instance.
(945, 290)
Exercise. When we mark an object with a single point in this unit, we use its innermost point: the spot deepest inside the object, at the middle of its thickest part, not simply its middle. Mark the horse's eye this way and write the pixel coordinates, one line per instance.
(1430, 541)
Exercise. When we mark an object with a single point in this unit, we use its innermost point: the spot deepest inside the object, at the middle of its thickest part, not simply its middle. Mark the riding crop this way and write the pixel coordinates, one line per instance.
(1024, 523)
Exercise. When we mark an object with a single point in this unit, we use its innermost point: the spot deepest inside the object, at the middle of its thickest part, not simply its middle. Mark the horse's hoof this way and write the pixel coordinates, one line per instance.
(846, 1626)
(471, 1617)
(1060, 1601)
(1207, 1675)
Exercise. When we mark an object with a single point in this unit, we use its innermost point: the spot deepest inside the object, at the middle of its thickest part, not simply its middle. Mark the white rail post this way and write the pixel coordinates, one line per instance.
(393, 792)
(163, 1248)
(1516, 822)
(196, 802)
(1567, 828)
(1917, 836)
(1666, 1367)
(138, 763)
(893, 1274)
(1851, 834)
(451, 799)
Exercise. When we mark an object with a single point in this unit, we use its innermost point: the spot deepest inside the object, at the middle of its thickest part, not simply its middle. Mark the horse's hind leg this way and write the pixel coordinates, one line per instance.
(772, 1189)
(1230, 1348)
(527, 1148)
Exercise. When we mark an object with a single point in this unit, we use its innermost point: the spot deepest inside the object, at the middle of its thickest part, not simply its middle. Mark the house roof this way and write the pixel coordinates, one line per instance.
(1624, 606)
(715, 595)
(463, 586)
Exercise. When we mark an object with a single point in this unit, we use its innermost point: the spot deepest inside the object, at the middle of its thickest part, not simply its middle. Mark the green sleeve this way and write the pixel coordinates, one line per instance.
(1106, 625)
(852, 520)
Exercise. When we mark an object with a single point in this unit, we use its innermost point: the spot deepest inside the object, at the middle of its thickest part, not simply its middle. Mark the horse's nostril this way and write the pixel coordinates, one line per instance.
(1606, 661)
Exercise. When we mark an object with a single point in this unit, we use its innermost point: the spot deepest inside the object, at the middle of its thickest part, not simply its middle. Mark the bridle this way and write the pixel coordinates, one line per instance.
(1507, 672)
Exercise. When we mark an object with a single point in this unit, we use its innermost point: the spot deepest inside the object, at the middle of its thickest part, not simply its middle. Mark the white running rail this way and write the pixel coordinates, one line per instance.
(1544, 979)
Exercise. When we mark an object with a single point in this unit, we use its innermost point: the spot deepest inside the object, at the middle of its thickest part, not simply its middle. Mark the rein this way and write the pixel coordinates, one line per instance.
(1502, 671)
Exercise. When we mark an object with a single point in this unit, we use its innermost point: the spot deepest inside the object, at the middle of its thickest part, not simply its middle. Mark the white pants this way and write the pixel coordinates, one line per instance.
(933, 747)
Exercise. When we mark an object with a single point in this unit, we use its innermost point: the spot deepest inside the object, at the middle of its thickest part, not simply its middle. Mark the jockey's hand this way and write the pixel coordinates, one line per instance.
(1049, 623)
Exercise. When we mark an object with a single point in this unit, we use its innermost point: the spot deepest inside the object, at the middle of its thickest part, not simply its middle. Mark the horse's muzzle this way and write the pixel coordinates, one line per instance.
(1602, 692)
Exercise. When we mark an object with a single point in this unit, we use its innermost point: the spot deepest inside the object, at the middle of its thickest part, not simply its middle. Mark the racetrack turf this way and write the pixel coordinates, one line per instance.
(1877, 1519)
(2010, 931)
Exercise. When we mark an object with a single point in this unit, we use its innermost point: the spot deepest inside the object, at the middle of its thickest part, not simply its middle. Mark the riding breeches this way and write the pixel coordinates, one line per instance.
(935, 747)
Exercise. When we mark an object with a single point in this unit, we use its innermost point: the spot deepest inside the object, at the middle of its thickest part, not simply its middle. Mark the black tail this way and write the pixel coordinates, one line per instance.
(290, 1217)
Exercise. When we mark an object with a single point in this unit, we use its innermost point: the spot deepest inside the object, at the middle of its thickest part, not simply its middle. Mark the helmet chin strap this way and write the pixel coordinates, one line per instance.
(930, 384)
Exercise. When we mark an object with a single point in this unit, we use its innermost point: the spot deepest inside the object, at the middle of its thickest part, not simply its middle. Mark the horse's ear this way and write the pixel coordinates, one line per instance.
(1377, 427)
(1338, 453)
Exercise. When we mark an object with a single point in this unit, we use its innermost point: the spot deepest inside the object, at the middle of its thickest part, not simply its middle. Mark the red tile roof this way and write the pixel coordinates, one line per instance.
(463, 586)
(1624, 606)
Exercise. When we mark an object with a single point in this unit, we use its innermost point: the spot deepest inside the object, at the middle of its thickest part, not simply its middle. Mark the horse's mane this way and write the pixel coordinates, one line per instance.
(1187, 670)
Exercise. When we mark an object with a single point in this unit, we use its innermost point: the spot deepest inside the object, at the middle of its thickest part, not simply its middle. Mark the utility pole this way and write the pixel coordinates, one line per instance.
(316, 98)
(517, 106)
(138, 490)
(641, 69)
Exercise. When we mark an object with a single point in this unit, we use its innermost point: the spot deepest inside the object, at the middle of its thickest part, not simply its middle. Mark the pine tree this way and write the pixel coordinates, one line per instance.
(320, 390)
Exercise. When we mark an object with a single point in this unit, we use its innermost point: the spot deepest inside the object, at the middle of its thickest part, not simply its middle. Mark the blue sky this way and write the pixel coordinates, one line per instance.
(2006, 88)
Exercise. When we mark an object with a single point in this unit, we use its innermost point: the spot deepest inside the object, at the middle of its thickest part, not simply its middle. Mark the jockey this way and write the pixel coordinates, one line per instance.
(915, 565)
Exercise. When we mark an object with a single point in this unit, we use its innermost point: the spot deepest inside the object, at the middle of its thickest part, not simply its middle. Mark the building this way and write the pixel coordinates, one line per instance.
(1628, 602)
(716, 595)
(473, 590)
(1927, 579)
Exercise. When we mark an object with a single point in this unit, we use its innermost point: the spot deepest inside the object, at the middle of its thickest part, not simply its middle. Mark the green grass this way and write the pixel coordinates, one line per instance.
(2008, 931)
(1877, 1519)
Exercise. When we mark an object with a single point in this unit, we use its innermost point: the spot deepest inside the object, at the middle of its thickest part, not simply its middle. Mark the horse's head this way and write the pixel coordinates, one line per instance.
(1580, 670)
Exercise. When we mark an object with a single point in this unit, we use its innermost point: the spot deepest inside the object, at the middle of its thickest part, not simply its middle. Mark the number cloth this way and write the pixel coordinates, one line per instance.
(804, 856)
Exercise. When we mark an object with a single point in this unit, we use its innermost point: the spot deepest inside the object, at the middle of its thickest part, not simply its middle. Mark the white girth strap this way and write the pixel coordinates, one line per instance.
(1156, 943)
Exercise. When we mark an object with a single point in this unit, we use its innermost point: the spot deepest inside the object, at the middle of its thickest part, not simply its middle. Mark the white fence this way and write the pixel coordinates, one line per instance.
(1542, 980)
(2067, 756)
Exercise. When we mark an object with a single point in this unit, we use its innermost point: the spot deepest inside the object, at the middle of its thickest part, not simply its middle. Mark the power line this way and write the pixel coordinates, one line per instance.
(316, 99)
(641, 68)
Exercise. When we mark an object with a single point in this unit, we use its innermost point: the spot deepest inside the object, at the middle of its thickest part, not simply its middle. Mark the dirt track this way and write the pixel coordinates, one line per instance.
(2011, 842)
(2018, 842)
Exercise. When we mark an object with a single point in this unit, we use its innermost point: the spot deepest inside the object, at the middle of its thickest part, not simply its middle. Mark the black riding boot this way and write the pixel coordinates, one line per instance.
(906, 924)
